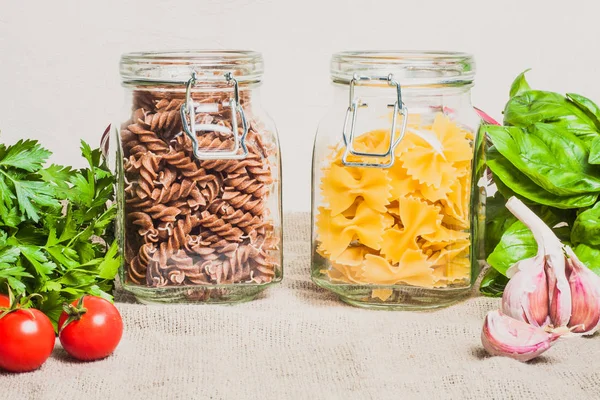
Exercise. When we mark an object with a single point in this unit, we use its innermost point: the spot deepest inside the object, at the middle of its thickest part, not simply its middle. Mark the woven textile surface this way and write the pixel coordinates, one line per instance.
(297, 341)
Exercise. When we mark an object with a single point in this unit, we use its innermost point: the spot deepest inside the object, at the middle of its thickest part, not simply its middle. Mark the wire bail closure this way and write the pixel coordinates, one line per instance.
(354, 105)
(188, 111)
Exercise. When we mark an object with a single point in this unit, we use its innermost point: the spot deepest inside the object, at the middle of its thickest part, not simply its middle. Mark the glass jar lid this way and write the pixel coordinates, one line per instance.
(176, 67)
(409, 68)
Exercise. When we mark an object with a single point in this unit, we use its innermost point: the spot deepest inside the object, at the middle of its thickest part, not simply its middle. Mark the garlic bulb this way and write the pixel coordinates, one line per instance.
(505, 336)
(549, 295)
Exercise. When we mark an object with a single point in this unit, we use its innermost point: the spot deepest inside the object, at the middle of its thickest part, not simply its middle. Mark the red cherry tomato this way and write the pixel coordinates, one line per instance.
(95, 334)
(26, 340)
(4, 301)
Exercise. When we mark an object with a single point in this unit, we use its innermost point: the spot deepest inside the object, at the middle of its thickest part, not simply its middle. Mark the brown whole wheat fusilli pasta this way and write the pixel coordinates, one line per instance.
(194, 222)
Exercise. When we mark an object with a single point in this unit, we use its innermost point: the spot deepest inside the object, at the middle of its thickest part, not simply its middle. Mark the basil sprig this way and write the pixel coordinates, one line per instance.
(547, 153)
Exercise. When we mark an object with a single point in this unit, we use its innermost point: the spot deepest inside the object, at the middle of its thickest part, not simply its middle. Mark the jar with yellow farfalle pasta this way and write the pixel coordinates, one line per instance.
(199, 178)
(398, 188)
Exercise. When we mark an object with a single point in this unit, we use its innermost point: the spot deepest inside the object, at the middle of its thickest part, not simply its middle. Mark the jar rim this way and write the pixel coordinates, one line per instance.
(177, 67)
(409, 68)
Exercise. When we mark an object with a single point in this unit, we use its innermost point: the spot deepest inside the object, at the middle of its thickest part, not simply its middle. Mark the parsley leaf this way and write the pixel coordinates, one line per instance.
(27, 155)
(10, 271)
(19, 182)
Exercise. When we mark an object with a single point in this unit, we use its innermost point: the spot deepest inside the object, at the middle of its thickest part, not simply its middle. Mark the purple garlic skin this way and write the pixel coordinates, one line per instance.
(551, 258)
(505, 336)
(549, 295)
(585, 293)
(525, 297)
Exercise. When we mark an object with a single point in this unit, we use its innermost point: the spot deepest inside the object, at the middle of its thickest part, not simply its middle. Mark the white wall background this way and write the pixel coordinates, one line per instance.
(59, 59)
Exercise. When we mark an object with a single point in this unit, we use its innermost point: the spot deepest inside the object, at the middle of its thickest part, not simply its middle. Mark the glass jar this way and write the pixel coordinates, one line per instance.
(398, 195)
(199, 178)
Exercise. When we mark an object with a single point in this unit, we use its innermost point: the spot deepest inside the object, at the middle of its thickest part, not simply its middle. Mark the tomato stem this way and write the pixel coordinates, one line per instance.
(74, 312)
(19, 302)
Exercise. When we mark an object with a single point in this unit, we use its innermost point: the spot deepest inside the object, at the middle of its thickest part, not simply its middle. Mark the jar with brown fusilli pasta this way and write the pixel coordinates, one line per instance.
(200, 178)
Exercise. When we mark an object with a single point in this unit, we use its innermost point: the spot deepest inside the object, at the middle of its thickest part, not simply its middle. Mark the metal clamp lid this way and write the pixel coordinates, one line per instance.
(188, 111)
(354, 105)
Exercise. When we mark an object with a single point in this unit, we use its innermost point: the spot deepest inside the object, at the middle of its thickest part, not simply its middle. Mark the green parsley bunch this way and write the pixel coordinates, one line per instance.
(56, 226)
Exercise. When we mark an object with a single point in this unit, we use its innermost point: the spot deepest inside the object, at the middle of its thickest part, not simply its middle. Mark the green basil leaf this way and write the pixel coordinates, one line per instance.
(556, 161)
(520, 85)
(590, 256)
(595, 152)
(592, 110)
(517, 243)
(587, 106)
(586, 228)
(507, 192)
(538, 106)
(506, 174)
(493, 283)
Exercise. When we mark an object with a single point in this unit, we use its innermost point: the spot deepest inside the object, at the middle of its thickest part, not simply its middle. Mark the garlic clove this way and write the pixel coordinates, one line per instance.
(525, 297)
(585, 293)
(559, 293)
(550, 249)
(505, 336)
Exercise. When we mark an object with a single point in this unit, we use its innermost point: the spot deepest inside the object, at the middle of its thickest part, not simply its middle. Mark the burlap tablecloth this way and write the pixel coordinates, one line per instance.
(298, 342)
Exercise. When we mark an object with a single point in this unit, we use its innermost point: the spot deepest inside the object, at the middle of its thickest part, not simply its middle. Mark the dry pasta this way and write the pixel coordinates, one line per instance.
(403, 225)
(196, 222)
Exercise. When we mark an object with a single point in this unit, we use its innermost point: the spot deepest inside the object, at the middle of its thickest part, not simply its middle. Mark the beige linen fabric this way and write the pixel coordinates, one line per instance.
(298, 342)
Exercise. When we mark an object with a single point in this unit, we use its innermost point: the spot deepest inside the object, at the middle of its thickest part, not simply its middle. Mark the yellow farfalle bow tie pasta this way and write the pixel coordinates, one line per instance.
(407, 224)
(342, 188)
(336, 232)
